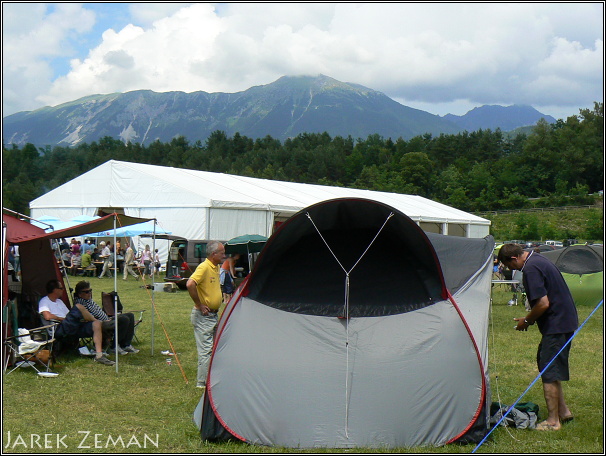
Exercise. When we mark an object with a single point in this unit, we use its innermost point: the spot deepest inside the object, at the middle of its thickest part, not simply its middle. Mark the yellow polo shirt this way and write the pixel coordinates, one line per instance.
(206, 277)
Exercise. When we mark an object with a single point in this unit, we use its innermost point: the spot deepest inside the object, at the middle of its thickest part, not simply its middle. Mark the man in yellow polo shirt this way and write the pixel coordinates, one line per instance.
(205, 290)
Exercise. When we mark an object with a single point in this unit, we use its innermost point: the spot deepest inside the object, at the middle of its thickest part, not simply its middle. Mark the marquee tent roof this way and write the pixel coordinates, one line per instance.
(117, 184)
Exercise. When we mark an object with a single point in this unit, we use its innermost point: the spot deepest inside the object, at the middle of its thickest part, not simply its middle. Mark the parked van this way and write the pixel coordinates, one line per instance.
(184, 256)
(554, 243)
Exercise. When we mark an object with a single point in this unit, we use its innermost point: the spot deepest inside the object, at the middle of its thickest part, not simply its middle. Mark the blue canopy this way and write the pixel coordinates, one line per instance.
(139, 229)
(58, 224)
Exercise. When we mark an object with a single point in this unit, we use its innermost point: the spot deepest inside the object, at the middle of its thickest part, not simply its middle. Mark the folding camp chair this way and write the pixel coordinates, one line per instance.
(31, 346)
(107, 300)
(84, 345)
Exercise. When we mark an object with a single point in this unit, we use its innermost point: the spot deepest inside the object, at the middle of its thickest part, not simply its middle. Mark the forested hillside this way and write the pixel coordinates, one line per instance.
(557, 163)
(560, 224)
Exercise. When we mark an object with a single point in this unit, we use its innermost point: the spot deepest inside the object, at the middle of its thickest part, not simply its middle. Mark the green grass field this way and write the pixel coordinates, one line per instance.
(147, 407)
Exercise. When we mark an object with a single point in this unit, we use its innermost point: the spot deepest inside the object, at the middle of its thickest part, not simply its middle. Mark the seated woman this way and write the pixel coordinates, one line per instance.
(66, 258)
(126, 321)
(76, 262)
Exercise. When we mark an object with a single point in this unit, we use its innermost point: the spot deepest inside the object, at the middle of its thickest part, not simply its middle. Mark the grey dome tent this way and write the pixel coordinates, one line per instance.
(354, 329)
(582, 267)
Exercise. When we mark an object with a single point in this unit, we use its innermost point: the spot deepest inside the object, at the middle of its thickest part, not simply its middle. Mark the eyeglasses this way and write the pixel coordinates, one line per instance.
(58, 288)
(87, 291)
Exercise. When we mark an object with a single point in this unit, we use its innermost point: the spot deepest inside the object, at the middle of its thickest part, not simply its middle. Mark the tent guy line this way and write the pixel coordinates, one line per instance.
(538, 376)
(346, 306)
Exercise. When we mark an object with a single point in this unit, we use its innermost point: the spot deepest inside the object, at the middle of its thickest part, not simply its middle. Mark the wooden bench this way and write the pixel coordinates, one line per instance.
(90, 271)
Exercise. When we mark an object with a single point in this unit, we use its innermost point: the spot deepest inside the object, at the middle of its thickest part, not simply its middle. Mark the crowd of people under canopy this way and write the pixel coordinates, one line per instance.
(86, 258)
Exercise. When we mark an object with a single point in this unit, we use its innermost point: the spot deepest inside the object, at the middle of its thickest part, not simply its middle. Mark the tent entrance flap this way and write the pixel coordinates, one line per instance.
(292, 279)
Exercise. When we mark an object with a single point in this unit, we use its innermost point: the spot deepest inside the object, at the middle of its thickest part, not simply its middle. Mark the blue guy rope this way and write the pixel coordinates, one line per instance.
(538, 376)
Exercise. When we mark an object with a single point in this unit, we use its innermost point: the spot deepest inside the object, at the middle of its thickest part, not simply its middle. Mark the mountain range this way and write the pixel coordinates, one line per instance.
(285, 108)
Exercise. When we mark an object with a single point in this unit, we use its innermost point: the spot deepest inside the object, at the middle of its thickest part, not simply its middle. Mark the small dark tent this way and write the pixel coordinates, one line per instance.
(582, 267)
(354, 329)
(38, 266)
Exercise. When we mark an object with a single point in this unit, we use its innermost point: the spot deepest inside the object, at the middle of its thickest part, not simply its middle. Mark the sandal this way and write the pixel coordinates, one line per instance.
(545, 426)
(566, 419)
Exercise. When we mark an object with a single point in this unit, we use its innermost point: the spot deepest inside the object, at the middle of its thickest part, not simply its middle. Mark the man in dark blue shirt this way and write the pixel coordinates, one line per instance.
(552, 308)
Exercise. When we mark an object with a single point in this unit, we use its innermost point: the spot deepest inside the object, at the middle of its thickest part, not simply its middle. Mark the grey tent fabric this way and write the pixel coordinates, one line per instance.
(308, 359)
(578, 259)
(460, 257)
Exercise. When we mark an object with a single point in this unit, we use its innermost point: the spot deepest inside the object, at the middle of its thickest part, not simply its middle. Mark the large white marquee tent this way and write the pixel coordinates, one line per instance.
(205, 205)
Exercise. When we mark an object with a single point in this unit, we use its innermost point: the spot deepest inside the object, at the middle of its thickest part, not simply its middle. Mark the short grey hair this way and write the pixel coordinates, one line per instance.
(212, 247)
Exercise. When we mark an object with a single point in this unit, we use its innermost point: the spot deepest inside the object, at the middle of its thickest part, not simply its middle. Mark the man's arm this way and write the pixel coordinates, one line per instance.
(85, 313)
(538, 309)
(193, 293)
(48, 316)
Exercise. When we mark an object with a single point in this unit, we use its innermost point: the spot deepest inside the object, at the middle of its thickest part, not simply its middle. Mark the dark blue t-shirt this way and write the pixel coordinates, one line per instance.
(542, 278)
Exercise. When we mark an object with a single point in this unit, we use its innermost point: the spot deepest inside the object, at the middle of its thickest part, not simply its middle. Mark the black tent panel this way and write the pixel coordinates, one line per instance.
(348, 249)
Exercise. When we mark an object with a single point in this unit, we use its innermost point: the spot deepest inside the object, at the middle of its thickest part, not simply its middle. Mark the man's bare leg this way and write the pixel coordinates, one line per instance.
(554, 397)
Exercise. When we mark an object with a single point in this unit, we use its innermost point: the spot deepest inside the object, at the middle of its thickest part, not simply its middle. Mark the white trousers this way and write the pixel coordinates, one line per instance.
(204, 333)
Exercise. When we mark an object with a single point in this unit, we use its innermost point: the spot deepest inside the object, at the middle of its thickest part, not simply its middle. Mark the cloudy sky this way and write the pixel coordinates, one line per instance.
(441, 58)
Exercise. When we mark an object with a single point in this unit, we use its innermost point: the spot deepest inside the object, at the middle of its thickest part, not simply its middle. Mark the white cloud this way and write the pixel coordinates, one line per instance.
(445, 54)
(32, 35)
(145, 14)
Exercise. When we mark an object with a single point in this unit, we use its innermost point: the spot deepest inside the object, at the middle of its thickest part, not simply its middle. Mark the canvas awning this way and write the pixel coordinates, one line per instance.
(18, 231)
(105, 223)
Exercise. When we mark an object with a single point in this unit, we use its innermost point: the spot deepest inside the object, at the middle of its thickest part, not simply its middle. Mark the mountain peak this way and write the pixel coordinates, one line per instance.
(506, 118)
(317, 83)
(287, 107)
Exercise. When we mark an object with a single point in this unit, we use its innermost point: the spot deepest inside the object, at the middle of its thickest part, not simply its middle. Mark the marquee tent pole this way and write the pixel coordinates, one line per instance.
(153, 290)
(115, 266)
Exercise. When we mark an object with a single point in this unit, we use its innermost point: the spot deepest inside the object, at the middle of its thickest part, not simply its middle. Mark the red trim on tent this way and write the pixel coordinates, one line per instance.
(475, 346)
(224, 317)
